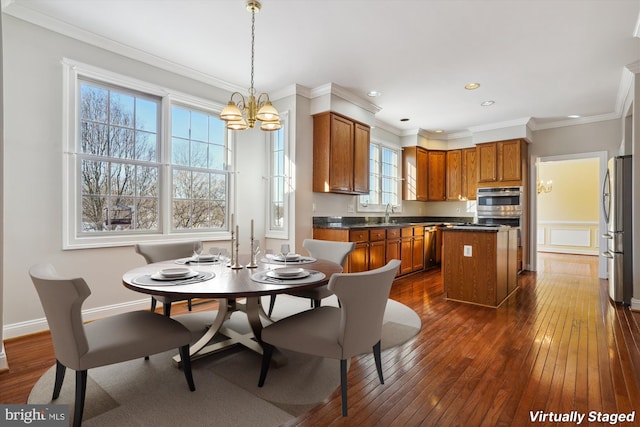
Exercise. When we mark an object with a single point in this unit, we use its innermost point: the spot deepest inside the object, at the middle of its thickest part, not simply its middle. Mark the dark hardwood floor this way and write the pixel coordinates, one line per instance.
(557, 345)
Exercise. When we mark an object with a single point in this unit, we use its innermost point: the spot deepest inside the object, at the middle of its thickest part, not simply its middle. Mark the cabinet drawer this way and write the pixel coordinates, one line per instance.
(359, 235)
(407, 232)
(377, 234)
(393, 233)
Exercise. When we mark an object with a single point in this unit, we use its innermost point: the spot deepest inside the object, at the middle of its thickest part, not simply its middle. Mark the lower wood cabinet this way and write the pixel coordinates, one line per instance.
(377, 246)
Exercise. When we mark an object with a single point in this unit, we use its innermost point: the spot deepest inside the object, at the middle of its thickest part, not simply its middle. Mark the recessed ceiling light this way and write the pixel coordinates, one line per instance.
(438, 131)
(374, 93)
(573, 116)
(472, 86)
(488, 103)
(404, 120)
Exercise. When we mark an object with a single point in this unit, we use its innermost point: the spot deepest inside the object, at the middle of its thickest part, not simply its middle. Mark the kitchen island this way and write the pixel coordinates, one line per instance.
(479, 264)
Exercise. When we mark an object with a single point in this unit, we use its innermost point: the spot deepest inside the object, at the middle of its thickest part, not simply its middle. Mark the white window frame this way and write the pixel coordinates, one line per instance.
(363, 204)
(71, 209)
(288, 182)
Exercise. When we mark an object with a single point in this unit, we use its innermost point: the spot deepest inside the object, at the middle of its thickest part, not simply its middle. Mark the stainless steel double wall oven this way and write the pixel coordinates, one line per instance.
(500, 206)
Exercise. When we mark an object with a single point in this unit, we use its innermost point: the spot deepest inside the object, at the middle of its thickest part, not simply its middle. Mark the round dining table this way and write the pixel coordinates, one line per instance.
(237, 289)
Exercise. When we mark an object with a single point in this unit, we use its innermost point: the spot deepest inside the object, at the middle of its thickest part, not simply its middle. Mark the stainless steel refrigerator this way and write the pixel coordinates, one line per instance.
(616, 198)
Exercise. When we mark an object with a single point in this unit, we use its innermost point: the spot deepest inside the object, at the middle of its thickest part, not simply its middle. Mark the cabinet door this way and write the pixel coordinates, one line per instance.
(469, 173)
(406, 255)
(361, 159)
(376, 254)
(341, 157)
(392, 250)
(414, 174)
(454, 175)
(436, 175)
(509, 161)
(487, 162)
(418, 253)
(359, 258)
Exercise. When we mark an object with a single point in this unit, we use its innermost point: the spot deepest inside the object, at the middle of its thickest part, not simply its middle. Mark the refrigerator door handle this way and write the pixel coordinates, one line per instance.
(607, 236)
(607, 254)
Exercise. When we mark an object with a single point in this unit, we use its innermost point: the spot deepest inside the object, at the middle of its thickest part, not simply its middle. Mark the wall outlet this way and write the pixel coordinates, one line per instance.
(468, 251)
(351, 208)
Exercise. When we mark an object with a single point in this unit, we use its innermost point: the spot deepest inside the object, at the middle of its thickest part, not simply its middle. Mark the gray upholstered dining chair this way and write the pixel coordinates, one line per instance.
(320, 249)
(337, 332)
(156, 252)
(102, 342)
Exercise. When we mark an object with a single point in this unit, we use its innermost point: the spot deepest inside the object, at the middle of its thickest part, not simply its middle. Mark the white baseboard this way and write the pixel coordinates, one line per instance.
(38, 325)
(568, 251)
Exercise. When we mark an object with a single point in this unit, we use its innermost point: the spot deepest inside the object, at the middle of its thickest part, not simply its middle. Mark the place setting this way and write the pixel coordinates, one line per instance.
(173, 276)
(214, 256)
(286, 257)
(288, 275)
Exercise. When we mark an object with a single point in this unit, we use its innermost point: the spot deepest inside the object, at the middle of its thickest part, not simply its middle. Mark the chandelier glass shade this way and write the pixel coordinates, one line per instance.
(544, 186)
(242, 113)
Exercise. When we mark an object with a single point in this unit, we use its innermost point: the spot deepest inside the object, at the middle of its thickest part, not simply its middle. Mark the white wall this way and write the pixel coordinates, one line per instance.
(33, 167)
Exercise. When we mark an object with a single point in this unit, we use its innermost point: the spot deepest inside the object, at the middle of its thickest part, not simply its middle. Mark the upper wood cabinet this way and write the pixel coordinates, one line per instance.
(436, 175)
(414, 173)
(469, 173)
(454, 175)
(502, 162)
(340, 155)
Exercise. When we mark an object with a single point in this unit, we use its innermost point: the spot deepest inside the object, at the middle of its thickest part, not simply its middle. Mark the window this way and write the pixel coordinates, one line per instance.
(141, 164)
(279, 181)
(384, 179)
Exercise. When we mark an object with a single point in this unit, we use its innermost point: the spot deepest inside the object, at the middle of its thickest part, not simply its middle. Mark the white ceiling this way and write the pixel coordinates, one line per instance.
(540, 59)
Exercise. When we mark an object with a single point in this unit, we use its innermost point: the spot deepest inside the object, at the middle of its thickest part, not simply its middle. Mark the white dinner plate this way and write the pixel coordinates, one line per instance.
(202, 258)
(174, 273)
(288, 273)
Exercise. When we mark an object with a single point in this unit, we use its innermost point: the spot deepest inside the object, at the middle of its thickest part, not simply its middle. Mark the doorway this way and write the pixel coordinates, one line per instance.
(567, 206)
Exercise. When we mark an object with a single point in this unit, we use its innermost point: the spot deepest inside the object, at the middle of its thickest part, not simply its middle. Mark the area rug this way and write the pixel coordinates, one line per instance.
(153, 392)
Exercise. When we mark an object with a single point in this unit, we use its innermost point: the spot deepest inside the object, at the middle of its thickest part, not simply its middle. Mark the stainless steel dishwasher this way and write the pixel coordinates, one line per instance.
(430, 247)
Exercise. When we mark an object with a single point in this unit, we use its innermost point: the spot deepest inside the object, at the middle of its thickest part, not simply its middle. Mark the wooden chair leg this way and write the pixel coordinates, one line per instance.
(60, 371)
(189, 304)
(316, 303)
(267, 352)
(167, 309)
(81, 391)
(153, 304)
(186, 366)
(272, 302)
(343, 385)
(378, 359)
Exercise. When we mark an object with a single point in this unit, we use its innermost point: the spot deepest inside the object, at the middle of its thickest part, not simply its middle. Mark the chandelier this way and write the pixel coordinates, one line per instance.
(241, 113)
(544, 187)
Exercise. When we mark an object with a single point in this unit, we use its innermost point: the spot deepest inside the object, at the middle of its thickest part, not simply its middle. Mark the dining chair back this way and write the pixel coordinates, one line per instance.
(342, 332)
(114, 339)
(320, 249)
(156, 252)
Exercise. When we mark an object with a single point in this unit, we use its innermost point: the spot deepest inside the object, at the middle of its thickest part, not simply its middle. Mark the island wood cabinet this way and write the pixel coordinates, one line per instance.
(377, 246)
(479, 267)
(502, 163)
(340, 155)
(424, 174)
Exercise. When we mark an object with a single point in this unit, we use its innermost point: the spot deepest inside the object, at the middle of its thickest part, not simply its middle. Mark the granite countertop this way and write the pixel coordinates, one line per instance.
(349, 223)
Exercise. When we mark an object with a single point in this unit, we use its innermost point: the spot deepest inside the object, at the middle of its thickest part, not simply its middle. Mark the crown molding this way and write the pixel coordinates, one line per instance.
(386, 126)
(524, 121)
(337, 90)
(20, 11)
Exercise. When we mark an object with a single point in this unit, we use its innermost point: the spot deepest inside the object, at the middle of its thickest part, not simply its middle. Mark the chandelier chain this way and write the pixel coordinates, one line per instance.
(253, 38)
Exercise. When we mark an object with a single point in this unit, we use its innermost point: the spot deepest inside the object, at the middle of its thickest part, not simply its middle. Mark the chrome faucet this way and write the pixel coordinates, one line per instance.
(386, 212)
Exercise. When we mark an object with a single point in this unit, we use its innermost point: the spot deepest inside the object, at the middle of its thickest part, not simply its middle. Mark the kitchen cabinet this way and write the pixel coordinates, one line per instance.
(454, 175)
(469, 173)
(502, 163)
(377, 248)
(414, 174)
(436, 175)
(340, 155)
(358, 260)
(392, 243)
(412, 249)
(478, 266)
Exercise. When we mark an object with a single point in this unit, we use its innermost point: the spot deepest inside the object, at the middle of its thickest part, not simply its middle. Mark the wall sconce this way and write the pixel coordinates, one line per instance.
(544, 187)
